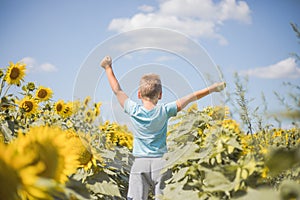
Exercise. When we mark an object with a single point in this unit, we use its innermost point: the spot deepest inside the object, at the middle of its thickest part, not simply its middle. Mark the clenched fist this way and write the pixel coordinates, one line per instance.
(217, 87)
(106, 62)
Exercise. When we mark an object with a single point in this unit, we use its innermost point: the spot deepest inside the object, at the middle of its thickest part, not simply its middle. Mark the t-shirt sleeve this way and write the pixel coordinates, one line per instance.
(171, 109)
(129, 106)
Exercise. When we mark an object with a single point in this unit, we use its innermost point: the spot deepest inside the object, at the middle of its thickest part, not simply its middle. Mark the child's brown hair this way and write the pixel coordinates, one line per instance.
(150, 86)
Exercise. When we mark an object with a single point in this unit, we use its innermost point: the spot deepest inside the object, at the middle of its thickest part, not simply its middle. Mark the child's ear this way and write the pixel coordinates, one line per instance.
(139, 94)
(160, 95)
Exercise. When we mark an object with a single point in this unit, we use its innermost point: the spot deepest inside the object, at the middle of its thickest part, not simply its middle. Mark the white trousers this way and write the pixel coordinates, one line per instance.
(146, 172)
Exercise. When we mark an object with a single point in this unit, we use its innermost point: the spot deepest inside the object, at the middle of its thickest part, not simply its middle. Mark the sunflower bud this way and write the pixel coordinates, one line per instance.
(30, 86)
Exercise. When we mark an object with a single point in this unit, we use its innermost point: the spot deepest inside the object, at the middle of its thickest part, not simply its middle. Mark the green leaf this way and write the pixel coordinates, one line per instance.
(234, 143)
(180, 175)
(182, 155)
(106, 188)
(175, 191)
(185, 130)
(81, 175)
(77, 189)
(260, 194)
(216, 181)
(6, 131)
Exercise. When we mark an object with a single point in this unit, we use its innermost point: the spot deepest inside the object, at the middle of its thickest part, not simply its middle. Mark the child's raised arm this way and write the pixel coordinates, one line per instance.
(184, 101)
(106, 63)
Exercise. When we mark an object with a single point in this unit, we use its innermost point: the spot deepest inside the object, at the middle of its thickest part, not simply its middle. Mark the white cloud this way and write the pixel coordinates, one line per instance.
(146, 8)
(48, 67)
(30, 63)
(196, 18)
(283, 69)
(34, 66)
(144, 39)
(230, 9)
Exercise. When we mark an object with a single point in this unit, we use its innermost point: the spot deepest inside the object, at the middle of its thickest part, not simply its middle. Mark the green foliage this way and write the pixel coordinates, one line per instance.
(210, 155)
(211, 158)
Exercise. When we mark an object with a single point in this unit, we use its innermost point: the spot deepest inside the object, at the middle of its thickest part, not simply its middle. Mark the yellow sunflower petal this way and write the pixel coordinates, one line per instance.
(15, 73)
(43, 93)
(28, 106)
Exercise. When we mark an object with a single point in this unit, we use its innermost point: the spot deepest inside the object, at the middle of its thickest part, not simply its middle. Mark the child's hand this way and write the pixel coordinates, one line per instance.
(217, 87)
(106, 62)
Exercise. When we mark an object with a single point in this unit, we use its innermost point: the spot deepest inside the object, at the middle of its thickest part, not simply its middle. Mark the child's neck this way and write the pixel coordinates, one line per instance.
(148, 104)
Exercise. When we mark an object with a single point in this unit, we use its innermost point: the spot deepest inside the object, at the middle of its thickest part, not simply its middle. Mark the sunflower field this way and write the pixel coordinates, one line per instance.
(62, 150)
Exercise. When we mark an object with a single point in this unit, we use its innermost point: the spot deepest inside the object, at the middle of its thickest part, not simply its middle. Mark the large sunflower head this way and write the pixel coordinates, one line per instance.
(15, 73)
(9, 178)
(50, 147)
(28, 106)
(18, 176)
(43, 93)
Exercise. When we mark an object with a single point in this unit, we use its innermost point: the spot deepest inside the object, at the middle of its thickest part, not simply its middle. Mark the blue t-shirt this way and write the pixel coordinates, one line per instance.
(150, 127)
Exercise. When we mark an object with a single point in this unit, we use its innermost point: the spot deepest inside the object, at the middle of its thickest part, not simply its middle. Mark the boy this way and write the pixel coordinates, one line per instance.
(150, 121)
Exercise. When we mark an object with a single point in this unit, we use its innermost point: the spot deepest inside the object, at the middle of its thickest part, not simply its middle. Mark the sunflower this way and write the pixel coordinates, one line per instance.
(50, 147)
(30, 86)
(63, 109)
(2, 137)
(90, 116)
(59, 106)
(217, 112)
(43, 93)
(76, 106)
(193, 108)
(15, 73)
(85, 156)
(28, 106)
(86, 101)
(231, 125)
(97, 108)
(18, 176)
(265, 172)
(116, 135)
(68, 110)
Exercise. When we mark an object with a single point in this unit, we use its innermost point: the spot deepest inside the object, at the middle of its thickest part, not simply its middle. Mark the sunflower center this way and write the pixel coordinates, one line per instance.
(15, 73)
(88, 114)
(84, 156)
(59, 107)
(42, 94)
(28, 106)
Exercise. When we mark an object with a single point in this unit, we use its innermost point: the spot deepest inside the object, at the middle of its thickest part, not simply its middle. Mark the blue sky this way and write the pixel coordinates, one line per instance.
(55, 38)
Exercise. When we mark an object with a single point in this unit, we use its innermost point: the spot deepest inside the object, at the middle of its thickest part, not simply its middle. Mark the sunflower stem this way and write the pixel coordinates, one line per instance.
(2, 86)
(6, 90)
